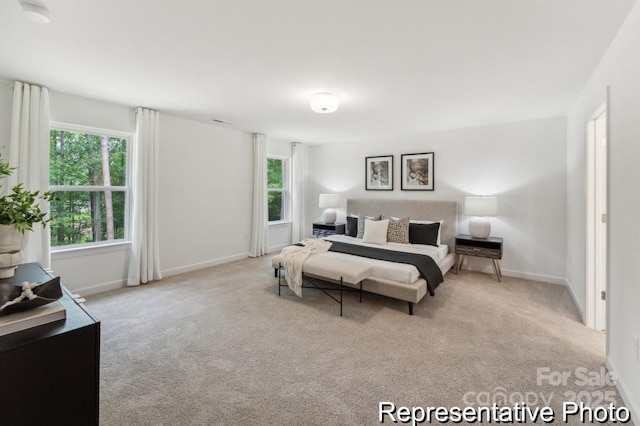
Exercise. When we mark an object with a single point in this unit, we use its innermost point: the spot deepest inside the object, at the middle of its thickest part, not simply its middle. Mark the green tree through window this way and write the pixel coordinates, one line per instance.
(88, 173)
(278, 189)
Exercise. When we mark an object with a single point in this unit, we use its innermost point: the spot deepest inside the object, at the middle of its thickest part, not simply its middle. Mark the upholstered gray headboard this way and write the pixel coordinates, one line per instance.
(415, 209)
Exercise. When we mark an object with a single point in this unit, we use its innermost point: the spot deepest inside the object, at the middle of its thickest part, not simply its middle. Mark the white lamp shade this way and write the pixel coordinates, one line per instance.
(324, 103)
(329, 201)
(481, 206)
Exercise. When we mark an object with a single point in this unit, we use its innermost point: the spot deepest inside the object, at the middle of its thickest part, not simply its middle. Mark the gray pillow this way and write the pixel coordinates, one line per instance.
(361, 219)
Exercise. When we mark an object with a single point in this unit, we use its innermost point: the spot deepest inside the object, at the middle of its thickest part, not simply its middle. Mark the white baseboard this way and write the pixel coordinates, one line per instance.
(100, 288)
(272, 250)
(629, 402)
(114, 285)
(202, 265)
(519, 274)
(577, 303)
(536, 277)
(550, 279)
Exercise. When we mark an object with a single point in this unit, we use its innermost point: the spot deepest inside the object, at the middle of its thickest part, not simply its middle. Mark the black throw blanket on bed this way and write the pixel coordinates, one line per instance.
(425, 264)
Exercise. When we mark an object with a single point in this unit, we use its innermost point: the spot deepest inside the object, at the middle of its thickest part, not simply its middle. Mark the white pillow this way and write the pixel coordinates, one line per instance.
(428, 222)
(375, 231)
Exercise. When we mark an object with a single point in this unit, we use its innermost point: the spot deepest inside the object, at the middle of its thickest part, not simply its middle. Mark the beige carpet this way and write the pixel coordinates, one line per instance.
(218, 346)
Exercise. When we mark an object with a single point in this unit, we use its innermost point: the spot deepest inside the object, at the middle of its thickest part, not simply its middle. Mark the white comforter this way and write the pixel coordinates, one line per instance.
(392, 271)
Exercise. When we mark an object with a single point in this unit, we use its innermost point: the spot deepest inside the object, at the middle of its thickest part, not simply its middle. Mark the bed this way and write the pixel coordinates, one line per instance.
(392, 279)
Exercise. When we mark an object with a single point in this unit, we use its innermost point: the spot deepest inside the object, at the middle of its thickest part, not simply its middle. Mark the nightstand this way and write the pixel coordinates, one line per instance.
(321, 229)
(490, 248)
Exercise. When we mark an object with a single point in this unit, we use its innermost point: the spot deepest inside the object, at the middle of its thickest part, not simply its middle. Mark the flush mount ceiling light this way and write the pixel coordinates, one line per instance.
(324, 103)
(36, 12)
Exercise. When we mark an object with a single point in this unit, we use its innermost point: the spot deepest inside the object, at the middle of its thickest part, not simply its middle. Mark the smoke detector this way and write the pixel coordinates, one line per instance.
(36, 12)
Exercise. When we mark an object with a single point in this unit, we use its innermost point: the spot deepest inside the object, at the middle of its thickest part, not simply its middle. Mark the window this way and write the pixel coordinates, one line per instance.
(278, 188)
(89, 176)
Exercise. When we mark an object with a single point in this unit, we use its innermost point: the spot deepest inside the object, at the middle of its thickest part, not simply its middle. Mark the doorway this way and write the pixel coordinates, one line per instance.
(597, 220)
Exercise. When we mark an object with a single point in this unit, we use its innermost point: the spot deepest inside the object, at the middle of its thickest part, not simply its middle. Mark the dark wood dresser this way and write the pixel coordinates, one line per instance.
(49, 374)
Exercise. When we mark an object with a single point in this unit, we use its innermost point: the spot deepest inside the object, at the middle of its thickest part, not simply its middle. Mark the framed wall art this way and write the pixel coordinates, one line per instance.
(379, 173)
(417, 172)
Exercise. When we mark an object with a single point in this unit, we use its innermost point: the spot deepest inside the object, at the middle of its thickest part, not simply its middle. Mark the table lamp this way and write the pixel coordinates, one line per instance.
(480, 208)
(329, 202)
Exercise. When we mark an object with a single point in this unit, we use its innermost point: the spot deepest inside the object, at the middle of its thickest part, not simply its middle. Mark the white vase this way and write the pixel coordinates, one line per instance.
(12, 242)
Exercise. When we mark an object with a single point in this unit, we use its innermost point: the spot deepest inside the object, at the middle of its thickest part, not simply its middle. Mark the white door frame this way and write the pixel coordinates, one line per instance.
(597, 217)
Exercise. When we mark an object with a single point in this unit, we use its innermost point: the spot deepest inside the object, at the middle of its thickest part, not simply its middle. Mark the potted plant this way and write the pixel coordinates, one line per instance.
(19, 212)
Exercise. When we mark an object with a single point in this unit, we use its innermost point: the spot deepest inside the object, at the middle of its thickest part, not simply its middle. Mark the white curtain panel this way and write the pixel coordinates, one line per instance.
(29, 152)
(298, 178)
(258, 243)
(144, 265)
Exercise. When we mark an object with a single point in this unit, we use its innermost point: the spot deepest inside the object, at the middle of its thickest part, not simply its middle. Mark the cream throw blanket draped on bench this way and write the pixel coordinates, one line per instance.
(294, 259)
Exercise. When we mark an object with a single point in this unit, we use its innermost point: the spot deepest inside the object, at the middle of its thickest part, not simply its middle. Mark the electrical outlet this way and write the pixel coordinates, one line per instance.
(636, 347)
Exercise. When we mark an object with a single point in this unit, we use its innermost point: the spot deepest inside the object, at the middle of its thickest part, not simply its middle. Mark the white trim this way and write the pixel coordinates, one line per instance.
(201, 265)
(89, 249)
(86, 188)
(577, 304)
(56, 125)
(279, 223)
(130, 137)
(277, 248)
(100, 288)
(624, 393)
(285, 189)
(114, 285)
(278, 157)
(596, 264)
(550, 279)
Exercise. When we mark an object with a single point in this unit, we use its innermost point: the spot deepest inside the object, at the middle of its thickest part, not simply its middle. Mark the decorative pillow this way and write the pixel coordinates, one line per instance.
(398, 231)
(431, 221)
(424, 233)
(352, 226)
(361, 220)
(375, 231)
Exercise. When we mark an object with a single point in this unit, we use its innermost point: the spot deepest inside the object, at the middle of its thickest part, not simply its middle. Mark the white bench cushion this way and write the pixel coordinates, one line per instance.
(351, 271)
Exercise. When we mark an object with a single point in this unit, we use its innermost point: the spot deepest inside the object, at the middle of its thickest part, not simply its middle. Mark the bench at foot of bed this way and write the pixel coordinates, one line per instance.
(342, 273)
(348, 273)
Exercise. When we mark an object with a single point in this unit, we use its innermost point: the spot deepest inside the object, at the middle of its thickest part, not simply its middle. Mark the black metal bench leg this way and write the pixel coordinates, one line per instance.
(279, 277)
(275, 272)
(410, 308)
(341, 296)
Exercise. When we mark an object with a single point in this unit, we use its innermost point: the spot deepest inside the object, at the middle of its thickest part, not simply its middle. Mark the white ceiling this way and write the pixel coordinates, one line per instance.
(401, 66)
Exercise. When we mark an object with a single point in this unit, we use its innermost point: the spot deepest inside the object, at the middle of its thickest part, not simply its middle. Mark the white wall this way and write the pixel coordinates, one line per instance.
(620, 70)
(72, 109)
(279, 235)
(206, 185)
(6, 99)
(523, 164)
(96, 268)
(205, 193)
(99, 268)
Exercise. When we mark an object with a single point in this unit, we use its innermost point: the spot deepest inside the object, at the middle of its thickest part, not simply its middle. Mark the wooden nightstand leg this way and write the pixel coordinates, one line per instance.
(496, 268)
(459, 264)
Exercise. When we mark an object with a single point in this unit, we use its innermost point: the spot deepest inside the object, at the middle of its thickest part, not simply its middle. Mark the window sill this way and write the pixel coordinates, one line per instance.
(89, 250)
(279, 223)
